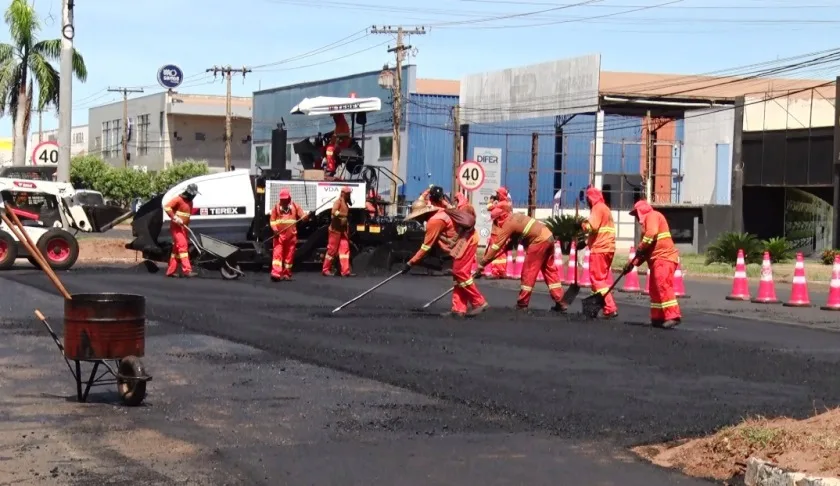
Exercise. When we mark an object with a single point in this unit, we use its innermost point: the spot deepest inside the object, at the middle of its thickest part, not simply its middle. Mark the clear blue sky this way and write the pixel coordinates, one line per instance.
(124, 43)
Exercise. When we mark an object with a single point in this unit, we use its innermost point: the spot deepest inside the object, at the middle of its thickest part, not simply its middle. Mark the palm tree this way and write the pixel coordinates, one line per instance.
(24, 67)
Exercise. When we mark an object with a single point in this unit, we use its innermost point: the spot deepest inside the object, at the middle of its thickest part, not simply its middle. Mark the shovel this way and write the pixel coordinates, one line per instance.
(574, 289)
(593, 304)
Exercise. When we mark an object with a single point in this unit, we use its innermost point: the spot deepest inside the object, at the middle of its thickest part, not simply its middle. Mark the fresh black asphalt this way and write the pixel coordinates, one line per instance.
(563, 395)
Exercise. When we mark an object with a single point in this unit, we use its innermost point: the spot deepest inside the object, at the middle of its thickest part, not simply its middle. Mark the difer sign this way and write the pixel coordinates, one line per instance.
(170, 76)
(470, 175)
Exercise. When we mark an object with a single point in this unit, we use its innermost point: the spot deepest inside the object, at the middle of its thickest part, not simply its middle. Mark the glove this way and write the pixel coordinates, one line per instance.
(628, 267)
(479, 272)
(406, 268)
(178, 220)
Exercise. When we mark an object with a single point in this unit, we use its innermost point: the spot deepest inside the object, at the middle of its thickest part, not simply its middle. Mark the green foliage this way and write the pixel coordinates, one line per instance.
(780, 249)
(828, 256)
(123, 185)
(725, 248)
(566, 227)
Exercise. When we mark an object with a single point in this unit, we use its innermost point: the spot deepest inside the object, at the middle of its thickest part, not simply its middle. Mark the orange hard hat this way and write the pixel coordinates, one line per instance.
(285, 194)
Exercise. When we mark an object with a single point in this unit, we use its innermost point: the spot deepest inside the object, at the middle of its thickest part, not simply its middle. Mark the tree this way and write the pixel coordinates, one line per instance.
(24, 67)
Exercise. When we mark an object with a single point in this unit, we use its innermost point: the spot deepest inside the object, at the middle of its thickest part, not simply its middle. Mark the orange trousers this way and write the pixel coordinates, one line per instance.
(539, 257)
(599, 275)
(466, 291)
(338, 245)
(180, 250)
(283, 255)
(663, 301)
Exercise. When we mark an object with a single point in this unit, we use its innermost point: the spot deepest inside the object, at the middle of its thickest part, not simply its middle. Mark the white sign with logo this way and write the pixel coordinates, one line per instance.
(490, 159)
(331, 190)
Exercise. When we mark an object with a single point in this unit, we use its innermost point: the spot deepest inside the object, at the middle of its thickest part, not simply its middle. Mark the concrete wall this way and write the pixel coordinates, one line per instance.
(78, 138)
(810, 109)
(704, 131)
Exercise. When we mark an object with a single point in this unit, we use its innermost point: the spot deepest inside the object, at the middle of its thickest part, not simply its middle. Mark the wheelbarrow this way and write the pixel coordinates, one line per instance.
(212, 252)
(99, 328)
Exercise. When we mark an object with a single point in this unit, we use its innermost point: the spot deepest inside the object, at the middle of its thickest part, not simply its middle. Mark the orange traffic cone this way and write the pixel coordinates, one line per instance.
(679, 283)
(558, 261)
(509, 266)
(647, 283)
(585, 278)
(766, 287)
(572, 270)
(631, 280)
(519, 262)
(488, 269)
(833, 303)
(740, 284)
(799, 290)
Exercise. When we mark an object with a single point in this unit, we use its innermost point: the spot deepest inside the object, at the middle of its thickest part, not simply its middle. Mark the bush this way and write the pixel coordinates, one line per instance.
(828, 256)
(123, 185)
(725, 248)
(780, 249)
(567, 228)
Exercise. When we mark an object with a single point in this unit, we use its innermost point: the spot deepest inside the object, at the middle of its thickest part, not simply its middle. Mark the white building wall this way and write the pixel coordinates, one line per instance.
(704, 130)
(803, 110)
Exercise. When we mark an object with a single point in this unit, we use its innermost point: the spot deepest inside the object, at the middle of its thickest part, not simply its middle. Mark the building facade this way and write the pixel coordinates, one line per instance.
(168, 127)
(78, 140)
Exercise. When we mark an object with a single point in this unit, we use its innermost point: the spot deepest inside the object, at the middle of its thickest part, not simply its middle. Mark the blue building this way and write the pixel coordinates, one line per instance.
(426, 148)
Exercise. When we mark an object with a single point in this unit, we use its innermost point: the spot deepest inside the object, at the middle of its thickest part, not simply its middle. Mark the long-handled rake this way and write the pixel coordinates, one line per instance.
(354, 299)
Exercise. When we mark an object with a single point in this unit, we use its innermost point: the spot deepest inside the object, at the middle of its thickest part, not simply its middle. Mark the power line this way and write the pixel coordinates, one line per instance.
(228, 71)
(125, 92)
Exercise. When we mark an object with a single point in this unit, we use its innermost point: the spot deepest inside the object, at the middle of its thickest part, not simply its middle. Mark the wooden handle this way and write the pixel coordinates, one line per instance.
(23, 238)
(39, 315)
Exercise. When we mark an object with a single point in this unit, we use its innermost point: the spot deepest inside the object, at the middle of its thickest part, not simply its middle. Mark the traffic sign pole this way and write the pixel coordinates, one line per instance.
(471, 176)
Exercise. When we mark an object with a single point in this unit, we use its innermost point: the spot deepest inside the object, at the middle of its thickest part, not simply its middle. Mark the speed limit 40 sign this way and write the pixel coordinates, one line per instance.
(471, 175)
(45, 153)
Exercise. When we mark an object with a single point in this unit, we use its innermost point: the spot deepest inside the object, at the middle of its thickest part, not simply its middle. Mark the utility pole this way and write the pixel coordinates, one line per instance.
(649, 159)
(456, 153)
(125, 92)
(40, 125)
(228, 73)
(399, 52)
(65, 91)
(532, 175)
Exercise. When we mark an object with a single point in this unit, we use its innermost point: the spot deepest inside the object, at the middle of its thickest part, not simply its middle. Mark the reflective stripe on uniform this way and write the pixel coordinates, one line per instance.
(499, 261)
(647, 239)
(528, 226)
(555, 286)
(606, 229)
(664, 305)
(425, 247)
(466, 283)
(526, 288)
(343, 257)
(284, 221)
(179, 255)
(494, 246)
(182, 214)
(276, 263)
(666, 234)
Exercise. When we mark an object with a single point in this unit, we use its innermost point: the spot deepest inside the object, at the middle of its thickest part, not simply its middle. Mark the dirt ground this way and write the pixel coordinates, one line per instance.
(811, 446)
(109, 250)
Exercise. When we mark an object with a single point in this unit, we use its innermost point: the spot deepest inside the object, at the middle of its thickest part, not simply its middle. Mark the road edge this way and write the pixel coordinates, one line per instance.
(763, 473)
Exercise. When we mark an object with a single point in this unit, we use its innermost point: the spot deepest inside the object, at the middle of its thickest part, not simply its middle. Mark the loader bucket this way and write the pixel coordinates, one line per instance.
(104, 217)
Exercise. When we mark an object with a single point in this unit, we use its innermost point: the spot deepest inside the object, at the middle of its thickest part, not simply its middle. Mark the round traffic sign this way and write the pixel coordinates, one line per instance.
(45, 153)
(170, 76)
(471, 175)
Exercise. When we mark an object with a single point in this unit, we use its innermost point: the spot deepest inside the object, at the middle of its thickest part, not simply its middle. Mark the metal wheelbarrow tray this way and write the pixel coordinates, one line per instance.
(105, 327)
(215, 251)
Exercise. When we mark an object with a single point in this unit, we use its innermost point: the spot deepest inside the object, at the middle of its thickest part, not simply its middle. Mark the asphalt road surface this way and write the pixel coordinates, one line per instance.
(258, 383)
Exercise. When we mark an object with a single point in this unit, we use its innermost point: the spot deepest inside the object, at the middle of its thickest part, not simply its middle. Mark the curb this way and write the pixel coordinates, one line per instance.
(762, 473)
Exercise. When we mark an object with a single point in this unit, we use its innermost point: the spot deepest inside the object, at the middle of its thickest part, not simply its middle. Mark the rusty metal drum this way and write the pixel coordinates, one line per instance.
(104, 326)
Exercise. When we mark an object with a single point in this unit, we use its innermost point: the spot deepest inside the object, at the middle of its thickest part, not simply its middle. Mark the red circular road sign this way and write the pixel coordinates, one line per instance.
(45, 153)
(471, 175)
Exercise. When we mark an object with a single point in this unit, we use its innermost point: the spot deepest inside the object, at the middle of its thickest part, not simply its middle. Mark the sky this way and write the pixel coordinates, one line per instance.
(292, 41)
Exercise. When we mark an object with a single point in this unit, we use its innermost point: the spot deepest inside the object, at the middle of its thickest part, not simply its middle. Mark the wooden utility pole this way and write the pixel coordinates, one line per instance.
(399, 52)
(125, 92)
(649, 181)
(456, 153)
(228, 73)
(532, 175)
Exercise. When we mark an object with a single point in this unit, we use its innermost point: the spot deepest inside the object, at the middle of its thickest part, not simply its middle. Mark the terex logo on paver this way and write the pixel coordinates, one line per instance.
(345, 107)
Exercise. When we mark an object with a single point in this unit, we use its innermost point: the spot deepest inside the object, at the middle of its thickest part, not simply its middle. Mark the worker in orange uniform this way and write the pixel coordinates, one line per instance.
(179, 210)
(463, 204)
(498, 266)
(338, 243)
(434, 195)
(372, 205)
(658, 249)
(450, 229)
(339, 140)
(539, 256)
(283, 221)
(601, 243)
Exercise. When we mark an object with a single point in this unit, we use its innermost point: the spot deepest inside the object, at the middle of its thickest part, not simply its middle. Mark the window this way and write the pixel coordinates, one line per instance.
(288, 153)
(106, 139)
(199, 137)
(79, 137)
(386, 144)
(142, 134)
(116, 138)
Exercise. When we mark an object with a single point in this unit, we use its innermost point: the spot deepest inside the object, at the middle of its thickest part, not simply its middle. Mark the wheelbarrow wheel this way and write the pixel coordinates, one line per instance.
(132, 392)
(229, 273)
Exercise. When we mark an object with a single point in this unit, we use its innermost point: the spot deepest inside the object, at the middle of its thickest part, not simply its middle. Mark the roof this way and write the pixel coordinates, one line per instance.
(665, 85)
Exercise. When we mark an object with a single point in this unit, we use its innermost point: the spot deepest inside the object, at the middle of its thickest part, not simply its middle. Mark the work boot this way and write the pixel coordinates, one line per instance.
(478, 310)
(275, 278)
(611, 315)
(657, 323)
(522, 310)
(457, 315)
(670, 323)
(328, 274)
(173, 275)
(191, 275)
(560, 307)
(351, 274)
